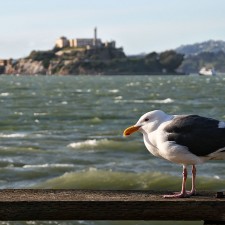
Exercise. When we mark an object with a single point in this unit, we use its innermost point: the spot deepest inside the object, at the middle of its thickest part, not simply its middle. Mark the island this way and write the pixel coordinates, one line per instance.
(91, 56)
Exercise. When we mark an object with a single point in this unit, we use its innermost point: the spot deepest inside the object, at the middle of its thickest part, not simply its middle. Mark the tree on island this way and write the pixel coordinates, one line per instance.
(170, 60)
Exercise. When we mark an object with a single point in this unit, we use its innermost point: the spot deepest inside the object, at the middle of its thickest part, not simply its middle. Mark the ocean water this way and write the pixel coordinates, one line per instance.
(66, 132)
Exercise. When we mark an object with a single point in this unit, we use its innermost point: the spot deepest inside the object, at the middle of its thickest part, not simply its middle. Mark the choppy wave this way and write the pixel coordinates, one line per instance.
(109, 180)
(157, 101)
(104, 144)
(87, 143)
(40, 114)
(165, 101)
(96, 120)
(13, 135)
(47, 165)
(113, 91)
(4, 94)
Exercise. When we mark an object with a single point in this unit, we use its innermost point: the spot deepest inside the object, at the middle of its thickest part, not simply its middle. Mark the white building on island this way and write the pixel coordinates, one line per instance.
(94, 42)
(84, 42)
(62, 42)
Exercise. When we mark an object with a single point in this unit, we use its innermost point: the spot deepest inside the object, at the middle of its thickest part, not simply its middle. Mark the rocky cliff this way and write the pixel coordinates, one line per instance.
(25, 66)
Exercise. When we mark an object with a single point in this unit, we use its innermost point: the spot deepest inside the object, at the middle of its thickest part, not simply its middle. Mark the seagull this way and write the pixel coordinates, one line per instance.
(182, 139)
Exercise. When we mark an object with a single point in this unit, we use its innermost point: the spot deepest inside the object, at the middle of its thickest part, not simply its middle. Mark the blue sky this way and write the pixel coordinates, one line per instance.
(136, 25)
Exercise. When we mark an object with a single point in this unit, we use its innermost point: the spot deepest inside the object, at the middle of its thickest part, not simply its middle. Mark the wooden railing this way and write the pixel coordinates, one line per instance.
(33, 204)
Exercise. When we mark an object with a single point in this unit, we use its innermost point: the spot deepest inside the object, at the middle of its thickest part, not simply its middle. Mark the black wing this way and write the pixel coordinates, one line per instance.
(201, 135)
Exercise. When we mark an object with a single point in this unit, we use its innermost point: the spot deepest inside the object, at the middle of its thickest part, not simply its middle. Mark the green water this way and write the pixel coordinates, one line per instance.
(66, 132)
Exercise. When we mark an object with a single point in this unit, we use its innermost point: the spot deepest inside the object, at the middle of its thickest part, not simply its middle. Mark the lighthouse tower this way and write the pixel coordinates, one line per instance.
(95, 38)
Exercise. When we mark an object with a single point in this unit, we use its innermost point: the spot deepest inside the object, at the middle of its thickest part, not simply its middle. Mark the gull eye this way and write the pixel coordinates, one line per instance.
(146, 120)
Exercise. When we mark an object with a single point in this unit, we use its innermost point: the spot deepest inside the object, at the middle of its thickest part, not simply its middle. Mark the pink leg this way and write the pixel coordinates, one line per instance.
(193, 189)
(183, 193)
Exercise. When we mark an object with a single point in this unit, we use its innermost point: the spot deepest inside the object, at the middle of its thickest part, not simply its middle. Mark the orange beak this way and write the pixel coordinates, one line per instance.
(130, 130)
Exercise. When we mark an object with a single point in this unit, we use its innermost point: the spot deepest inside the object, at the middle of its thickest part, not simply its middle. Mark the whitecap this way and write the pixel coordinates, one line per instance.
(140, 101)
(103, 144)
(18, 113)
(83, 144)
(118, 98)
(15, 135)
(114, 91)
(163, 101)
(131, 84)
(47, 165)
(4, 94)
(83, 91)
(40, 114)
(93, 144)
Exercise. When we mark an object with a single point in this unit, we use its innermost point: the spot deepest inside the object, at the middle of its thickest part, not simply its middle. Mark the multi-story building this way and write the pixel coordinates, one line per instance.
(62, 42)
(84, 42)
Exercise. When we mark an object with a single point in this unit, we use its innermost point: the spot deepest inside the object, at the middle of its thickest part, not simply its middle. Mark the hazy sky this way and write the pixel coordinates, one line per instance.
(137, 25)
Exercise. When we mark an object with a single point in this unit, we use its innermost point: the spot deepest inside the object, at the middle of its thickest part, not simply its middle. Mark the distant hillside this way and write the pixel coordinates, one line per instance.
(193, 63)
(206, 54)
(197, 48)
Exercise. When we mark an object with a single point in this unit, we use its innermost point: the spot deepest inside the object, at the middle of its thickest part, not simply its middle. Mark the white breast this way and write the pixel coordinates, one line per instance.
(151, 148)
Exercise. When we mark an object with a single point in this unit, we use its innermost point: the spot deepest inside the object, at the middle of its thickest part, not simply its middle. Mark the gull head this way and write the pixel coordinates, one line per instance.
(147, 123)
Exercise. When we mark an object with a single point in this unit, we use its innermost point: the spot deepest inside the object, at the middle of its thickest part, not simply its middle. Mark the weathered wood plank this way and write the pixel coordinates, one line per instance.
(27, 204)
